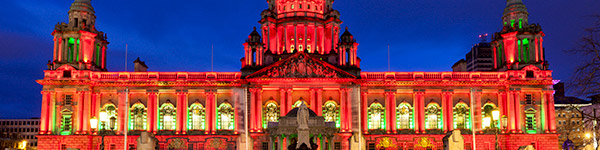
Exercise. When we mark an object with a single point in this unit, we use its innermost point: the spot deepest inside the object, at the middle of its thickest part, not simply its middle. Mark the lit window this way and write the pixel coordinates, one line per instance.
(109, 120)
(66, 123)
(299, 102)
(433, 116)
(376, 114)
(270, 113)
(530, 121)
(167, 118)
(137, 119)
(331, 112)
(404, 118)
(196, 117)
(461, 116)
(225, 117)
(487, 113)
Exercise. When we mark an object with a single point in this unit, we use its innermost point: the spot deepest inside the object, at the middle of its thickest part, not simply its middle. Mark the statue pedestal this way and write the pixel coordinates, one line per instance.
(303, 137)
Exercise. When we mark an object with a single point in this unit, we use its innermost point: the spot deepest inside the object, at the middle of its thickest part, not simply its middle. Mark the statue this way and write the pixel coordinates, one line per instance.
(146, 141)
(302, 116)
(454, 141)
(303, 131)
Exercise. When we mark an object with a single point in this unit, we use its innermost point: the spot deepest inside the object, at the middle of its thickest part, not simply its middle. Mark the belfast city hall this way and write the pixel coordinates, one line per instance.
(299, 57)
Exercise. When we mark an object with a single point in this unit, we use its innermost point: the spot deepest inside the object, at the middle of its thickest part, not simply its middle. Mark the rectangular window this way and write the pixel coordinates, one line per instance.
(68, 100)
(530, 123)
(528, 99)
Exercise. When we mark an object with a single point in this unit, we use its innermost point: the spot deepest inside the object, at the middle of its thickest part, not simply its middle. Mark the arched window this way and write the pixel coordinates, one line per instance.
(108, 117)
(299, 102)
(376, 114)
(331, 112)
(404, 116)
(225, 120)
(433, 119)
(66, 125)
(196, 117)
(462, 118)
(270, 113)
(137, 117)
(167, 118)
(487, 114)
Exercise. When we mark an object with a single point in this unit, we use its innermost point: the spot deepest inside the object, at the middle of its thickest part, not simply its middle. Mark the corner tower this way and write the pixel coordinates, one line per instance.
(519, 43)
(299, 26)
(78, 43)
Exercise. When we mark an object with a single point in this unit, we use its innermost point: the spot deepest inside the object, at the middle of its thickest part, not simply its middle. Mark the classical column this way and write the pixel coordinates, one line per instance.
(289, 100)
(551, 119)
(121, 111)
(322, 143)
(388, 112)
(282, 102)
(313, 100)
(181, 111)
(44, 117)
(86, 111)
(517, 105)
(349, 110)
(393, 111)
(319, 101)
(271, 143)
(477, 96)
(343, 118)
(445, 111)
(152, 103)
(420, 110)
(237, 105)
(95, 104)
(502, 106)
(78, 120)
(449, 109)
(511, 111)
(211, 111)
(363, 109)
(280, 145)
(330, 142)
(259, 109)
(253, 106)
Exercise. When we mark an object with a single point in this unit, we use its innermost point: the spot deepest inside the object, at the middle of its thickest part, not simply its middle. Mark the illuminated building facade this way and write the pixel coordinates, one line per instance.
(295, 56)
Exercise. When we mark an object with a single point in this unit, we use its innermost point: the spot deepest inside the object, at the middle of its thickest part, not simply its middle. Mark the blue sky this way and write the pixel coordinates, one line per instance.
(177, 35)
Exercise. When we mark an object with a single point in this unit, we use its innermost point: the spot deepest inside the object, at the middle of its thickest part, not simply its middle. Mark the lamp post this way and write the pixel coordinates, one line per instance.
(495, 116)
(102, 132)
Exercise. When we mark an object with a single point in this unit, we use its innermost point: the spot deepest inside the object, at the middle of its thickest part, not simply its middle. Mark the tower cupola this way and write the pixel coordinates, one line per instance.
(254, 49)
(515, 14)
(78, 43)
(347, 50)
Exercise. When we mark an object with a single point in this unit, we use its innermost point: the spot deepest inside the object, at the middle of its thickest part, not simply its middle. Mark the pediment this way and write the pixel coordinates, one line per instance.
(301, 65)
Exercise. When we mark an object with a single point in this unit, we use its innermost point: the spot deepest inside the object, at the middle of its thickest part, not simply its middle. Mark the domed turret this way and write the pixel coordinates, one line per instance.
(82, 5)
(515, 14)
(347, 37)
(254, 37)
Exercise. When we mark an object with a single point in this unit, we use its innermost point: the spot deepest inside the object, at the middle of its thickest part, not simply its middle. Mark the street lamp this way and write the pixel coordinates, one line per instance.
(495, 116)
(23, 144)
(102, 132)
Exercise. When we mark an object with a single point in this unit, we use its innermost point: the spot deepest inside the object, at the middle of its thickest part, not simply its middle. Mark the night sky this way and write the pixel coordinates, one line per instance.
(177, 35)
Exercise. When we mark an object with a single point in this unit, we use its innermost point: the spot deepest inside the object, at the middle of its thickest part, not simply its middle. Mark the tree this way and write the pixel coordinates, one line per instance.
(586, 78)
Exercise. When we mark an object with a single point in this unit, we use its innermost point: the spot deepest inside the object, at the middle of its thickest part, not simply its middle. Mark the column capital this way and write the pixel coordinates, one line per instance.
(419, 91)
(182, 92)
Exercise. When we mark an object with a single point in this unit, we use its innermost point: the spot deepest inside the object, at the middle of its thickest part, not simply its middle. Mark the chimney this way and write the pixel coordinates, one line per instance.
(139, 66)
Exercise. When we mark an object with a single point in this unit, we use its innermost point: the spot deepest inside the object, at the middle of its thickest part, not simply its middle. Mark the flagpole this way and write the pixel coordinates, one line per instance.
(126, 105)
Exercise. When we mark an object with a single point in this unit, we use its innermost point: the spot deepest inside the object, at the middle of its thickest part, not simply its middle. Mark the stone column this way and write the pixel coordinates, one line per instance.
(86, 111)
(388, 113)
(181, 111)
(282, 102)
(363, 111)
(551, 119)
(502, 106)
(237, 105)
(313, 100)
(270, 143)
(259, 109)
(511, 112)
(211, 111)
(517, 105)
(152, 109)
(280, 143)
(447, 106)
(322, 143)
(96, 98)
(78, 120)
(45, 117)
(319, 101)
(349, 109)
(477, 96)
(420, 110)
(253, 106)
(343, 118)
(289, 99)
(121, 111)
